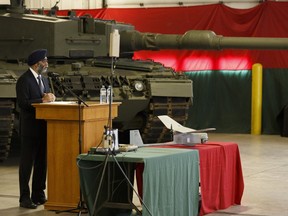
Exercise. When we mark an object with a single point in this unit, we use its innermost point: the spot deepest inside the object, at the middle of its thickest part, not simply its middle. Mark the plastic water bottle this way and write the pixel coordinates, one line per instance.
(109, 94)
(103, 95)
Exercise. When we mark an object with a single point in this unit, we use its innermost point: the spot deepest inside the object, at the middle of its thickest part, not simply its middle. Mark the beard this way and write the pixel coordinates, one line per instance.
(42, 69)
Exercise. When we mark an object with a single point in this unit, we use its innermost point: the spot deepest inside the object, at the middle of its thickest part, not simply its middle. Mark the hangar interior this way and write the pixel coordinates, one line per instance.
(222, 87)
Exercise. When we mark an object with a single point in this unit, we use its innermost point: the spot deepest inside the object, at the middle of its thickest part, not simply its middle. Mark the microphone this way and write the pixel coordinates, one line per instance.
(52, 74)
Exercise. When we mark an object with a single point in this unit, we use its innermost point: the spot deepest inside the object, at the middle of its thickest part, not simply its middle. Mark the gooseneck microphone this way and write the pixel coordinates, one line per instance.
(52, 74)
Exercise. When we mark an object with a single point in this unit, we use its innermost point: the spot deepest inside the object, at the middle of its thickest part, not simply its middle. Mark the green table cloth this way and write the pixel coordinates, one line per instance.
(170, 180)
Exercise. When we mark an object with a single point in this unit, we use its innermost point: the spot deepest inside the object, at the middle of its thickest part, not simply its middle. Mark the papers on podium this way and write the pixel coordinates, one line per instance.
(63, 102)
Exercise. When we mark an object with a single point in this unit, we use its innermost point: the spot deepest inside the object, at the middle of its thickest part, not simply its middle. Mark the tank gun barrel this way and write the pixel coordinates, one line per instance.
(196, 39)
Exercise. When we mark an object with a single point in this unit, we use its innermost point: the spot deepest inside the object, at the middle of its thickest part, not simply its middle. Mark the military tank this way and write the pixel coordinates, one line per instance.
(78, 52)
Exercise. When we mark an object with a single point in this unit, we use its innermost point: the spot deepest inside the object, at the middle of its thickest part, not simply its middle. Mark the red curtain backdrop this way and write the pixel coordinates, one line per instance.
(268, 19)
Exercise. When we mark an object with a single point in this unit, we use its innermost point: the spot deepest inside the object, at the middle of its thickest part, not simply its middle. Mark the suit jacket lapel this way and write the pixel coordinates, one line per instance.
(36, 85)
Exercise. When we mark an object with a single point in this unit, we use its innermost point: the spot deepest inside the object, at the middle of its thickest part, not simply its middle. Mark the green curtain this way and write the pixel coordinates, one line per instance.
(275, 97)
(222, 99)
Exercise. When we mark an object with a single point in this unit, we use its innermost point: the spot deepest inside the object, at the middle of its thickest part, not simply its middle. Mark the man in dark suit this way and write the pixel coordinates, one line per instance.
(32, 88)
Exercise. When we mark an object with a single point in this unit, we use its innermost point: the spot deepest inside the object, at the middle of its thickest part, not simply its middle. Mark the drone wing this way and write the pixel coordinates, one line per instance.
(175, 126)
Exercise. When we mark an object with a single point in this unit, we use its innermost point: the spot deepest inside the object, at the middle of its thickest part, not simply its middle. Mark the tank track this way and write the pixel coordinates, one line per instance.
(154, 130)
(6, 127)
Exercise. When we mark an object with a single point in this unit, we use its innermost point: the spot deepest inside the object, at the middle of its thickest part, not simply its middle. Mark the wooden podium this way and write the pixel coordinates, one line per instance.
(63, 184)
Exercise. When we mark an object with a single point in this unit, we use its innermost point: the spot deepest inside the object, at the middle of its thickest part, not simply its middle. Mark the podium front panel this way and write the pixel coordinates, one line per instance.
(65, 142)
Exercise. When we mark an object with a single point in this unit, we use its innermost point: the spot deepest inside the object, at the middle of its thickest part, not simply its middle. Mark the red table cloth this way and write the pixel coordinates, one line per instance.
(221, 178)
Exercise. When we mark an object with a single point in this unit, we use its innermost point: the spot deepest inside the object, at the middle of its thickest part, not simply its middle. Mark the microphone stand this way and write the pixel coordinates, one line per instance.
(111, 152)
(54, 78)
(81, 203)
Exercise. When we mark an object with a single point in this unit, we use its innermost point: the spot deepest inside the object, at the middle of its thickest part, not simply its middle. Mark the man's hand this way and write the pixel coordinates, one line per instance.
(48, 97)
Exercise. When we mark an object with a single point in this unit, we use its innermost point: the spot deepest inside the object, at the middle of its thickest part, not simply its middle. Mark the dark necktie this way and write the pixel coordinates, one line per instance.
(40, 84)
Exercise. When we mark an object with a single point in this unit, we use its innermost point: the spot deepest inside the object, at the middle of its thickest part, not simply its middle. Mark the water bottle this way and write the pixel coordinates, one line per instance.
(103, 96)
(109, 94)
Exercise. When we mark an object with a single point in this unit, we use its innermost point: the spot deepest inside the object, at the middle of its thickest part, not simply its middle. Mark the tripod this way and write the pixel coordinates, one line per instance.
(81, 204)
(110, 153)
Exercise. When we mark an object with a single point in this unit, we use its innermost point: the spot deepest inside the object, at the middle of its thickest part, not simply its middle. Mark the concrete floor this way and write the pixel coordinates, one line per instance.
(264, 164)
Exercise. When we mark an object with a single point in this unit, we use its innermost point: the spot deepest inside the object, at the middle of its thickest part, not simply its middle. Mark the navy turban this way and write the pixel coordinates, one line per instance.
(36, 56)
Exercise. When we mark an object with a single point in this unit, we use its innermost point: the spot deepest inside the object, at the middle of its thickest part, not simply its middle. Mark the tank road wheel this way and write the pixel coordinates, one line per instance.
(154, 130)
(6, 127)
